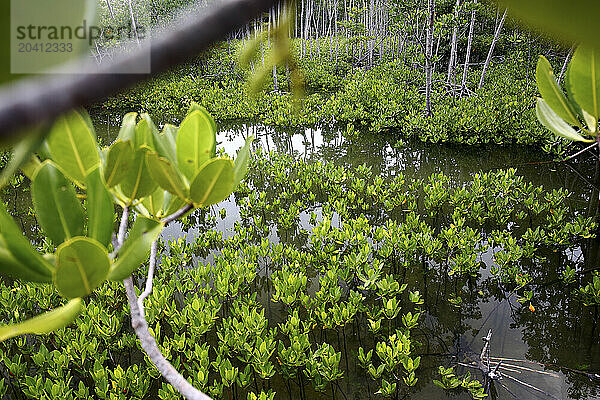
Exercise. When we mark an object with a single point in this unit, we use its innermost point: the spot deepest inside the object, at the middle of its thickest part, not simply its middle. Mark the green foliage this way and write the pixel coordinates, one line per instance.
(559, 113)
(134, 168)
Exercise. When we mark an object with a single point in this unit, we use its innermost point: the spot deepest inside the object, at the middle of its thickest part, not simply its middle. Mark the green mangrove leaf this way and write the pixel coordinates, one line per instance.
(137, 182)
(22, 151)
(166, 175)
(571, 21)
(29, 167)
(118, 162)
(81, 266)
(166, 143)
(145, 131)
(44, 323)
(591, 122)
(127, 131)
(154, 203)
(173, 203)
(213, 183)
(552, 93)
(10, 266)
(584, 79)
(19, 247)
(554, 123)
(72, 145)
(57, 208)
(197, 107)
(241, 162)
(101, 212)
(196, 141)
(136, 247)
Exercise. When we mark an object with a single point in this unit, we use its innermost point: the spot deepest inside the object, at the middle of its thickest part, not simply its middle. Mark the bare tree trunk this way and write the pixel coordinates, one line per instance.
(453, 43)
(489, 56)
(428, 55)
(463, 84)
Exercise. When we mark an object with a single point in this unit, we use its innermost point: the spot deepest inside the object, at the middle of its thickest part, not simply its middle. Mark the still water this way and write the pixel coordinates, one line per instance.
(548, 348)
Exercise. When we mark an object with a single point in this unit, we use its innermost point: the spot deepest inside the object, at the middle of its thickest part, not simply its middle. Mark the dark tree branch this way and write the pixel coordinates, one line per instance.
(41, 99)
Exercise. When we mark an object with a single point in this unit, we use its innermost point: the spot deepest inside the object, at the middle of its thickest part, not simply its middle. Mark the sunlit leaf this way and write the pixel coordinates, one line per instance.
(118, 162)
(145, 131)
(127, 131)
(166, 143)
(72, 145)
(213, 183)
(552, 93)
(100, 209)
(166, 175)
(196, 141)
(554, 123)
(12, 267)
(39, 269)
(44, 323)
(81, 266)
(155, 202)
(57, 208)
(241, 162)
(137, 182)
(22, 152)
(584, 79)
(136, 247)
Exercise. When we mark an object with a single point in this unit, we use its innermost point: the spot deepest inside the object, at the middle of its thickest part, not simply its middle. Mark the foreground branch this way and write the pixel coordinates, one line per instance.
(139, 324)
(41, 99)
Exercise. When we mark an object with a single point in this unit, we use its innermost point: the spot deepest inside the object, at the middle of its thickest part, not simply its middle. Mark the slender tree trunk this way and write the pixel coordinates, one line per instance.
(453, 43)
(463, 84)
(428, 55)
(489, 56)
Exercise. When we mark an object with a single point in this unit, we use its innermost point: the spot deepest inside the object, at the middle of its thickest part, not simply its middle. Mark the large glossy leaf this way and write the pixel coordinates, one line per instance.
(38, 269)
(145, 131)
(73, 145)
(584, 79)
(196, 141)
(58, 210)
(571, 21)
(554, 123)
(118, 162)
(100, 209)
(44, 323)
(136, 247)
(22, 152)
(241, 162)
(213, 183)
(166, 175)
(137, 182)
(553, 94)
(197, 107)
(153, 204)
(127, 131)
(166, 143)
(81, 266)
(10, 266)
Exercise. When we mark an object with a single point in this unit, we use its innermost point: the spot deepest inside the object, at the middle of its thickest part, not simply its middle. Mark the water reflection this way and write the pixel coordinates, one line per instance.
(560, 335)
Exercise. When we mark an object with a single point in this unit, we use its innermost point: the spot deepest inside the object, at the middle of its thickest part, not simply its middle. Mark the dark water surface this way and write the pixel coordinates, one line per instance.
(557, 341)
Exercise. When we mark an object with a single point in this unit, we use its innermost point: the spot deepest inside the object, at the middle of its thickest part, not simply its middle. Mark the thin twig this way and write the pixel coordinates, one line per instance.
(148, 288)
(176, 214)
(139, 324)
(581, 151)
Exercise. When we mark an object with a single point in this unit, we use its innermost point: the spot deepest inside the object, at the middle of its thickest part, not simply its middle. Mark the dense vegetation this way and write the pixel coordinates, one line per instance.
(318, 308)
